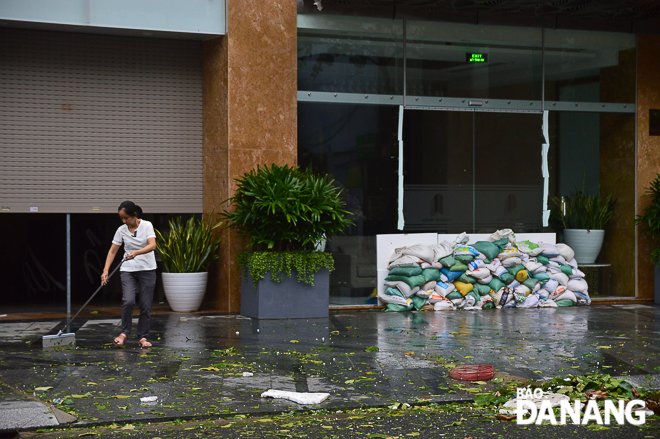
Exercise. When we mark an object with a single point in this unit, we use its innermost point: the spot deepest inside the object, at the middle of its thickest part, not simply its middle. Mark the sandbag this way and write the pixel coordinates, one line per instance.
(444, 305)
(423, 252)
(451, 275)
(560, 277)
(463, 287)
(532, 265)
(522, 275)
(502, 234)
(425, 293)
(550, 286)
(458, 301)
(465, 250)
(442, 250)
(479, 273)
(507, 278)
(564, 302)
(404, 261)
(468, 302)
(542, 259)
(510, 253)
(403, 287)
(486, 280)
(516, 269)
(522, 290)
(511, 262)
(543, 277)
(418, 302)
(464, 259)
(405, 271)
(577, 274)
(467, 279)
(531, 301)
(565, 251)
(443, 288)
(578, 285)
(454, 295)
(435, 297)
(431, 274)
(496, 284)
(476, 264)
(413, 281)
(436, 264)
(567, 270)
(392, 295)
(529, 248)
(448, 261)
(531, 283)
(566, 295)
(429, 286)
(550, 250)
(393, 307)
(489, 249)
(481, 290)
(582, 298)
(459, 267)
(547, 304)
(559, 259)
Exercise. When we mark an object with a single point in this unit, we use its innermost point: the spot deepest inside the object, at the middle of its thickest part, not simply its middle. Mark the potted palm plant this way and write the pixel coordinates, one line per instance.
(582, 218)
(650, 220)
(187, 250)
(284, 212)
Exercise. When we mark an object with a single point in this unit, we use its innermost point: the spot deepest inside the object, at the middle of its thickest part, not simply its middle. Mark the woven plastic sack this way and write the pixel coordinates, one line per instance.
(486, 280)
(451, 275)
(531, 301)
(443, 288)
(567, 270)
(542, 259)
(418, 302)
(496, 284)
(529, 248)
(403, 287)
(532, 265)
(429, 286)
(393, 307)
(479, 273)
(510, 253)
(578, 285)
(547, 304)
(442, 250)
(454, 295)
(444, 305)
(459, 267)
(413, 281)
(448, 261)
(565, 251)
(424, 293)
(522, 275)
(464, 259)
(541, 277)
(563, 302)
(560, 277)
(550, 250)
(463, 287)
(489, 249)
(465, 250)
(476, 264)
(392, 295)
(467, 279)
(431, 274)
(405, 271)
(577, 274)
(404, 261)
(482, 290)
(423, 252)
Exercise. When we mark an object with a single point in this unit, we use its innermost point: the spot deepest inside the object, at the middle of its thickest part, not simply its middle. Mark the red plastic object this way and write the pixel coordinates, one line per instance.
(480, 372)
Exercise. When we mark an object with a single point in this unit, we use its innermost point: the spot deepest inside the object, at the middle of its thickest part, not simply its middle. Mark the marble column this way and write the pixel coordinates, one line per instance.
(648, 150)
(250, 117)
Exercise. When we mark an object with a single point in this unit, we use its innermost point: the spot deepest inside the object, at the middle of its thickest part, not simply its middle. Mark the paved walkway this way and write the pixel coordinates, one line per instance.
(197, 366)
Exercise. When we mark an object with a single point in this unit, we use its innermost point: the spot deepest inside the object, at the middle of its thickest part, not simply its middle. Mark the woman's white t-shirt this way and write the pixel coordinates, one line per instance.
(137, 241)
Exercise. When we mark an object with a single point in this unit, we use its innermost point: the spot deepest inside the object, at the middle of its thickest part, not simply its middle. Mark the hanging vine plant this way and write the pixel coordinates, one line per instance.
(306, 264)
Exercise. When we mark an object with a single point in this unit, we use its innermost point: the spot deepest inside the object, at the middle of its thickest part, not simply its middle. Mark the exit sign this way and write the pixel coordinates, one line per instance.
(476, 57)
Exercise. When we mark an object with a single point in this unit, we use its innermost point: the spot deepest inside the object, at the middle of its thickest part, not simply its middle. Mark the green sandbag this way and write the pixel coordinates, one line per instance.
(394, 292)
(501, 243)
(567, 270)
(514, 270)
(394, 307)
(482, 289)
(473, 294)
(454, 295)
(542, 260)
(406, 271)
(413, 281)
(541, 276)
(496, 284)
(507, 278)
(418, 302)
(458, 266)
(488, 305)
(467, 279)
(431, 274)
(465, 259)
(487, 248)
(564, 302)
(530, 283)
(447, 261)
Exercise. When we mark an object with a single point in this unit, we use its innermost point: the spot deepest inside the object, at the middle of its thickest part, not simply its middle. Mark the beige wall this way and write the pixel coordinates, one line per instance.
(250, 116)
(648, 149)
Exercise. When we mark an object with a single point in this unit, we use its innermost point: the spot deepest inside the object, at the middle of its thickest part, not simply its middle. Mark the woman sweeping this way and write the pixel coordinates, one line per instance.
(138, 272)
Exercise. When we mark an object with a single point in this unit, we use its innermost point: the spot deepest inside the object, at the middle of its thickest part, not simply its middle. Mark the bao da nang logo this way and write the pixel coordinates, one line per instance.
(535, 407)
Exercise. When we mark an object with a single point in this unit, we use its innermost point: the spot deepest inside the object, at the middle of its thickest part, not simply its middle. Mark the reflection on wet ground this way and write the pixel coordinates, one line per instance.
(197, 363)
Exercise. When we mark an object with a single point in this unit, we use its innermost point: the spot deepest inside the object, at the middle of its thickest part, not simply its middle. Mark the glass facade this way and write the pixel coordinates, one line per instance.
(466, 169)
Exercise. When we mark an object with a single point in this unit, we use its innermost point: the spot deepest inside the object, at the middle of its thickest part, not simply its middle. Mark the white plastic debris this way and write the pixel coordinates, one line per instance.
(248, 374)
(149, 399)
(297, 397)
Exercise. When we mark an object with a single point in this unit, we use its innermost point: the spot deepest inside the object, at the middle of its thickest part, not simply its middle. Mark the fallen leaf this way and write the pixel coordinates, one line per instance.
(505, 417)
(214, 369)
(334, 332)
(43, 389)
(294, 341)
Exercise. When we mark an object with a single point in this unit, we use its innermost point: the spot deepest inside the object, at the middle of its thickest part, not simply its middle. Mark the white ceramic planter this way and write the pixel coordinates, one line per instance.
(585, 243)
(184, 291)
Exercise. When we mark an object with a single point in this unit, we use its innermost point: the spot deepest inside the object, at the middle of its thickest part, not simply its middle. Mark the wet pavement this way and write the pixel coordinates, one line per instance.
(363, 359)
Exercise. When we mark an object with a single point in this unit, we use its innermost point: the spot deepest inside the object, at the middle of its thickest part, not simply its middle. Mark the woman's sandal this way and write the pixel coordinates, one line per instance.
(143, 343)
(119, 341)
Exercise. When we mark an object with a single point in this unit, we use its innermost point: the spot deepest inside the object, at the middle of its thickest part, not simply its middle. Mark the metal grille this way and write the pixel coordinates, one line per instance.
(88, 121)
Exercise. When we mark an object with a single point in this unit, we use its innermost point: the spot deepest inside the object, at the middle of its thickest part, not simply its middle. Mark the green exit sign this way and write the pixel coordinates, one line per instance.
(476, 57)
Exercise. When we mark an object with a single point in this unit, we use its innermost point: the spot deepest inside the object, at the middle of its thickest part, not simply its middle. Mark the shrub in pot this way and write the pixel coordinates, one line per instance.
(284, 212)
(187, 250)
(582, 218)
(650, 222)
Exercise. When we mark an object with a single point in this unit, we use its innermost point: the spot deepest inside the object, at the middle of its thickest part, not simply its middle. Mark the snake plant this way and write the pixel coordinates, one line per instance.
(188, 247)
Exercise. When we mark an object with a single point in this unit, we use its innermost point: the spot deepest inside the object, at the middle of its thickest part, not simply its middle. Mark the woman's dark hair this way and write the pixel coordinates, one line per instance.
(130, 208)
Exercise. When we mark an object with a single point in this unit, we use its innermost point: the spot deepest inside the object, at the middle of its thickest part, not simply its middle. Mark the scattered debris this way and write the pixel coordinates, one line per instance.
(297, 397)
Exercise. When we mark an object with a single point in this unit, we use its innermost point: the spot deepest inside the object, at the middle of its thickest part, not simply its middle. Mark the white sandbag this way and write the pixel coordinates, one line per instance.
(550, 286)
(501, 234)
(401, 286)
(486, 280)
(390, 298)
(444, 278)
(573, 263)
(565, 251)
(531, 301)
(547, 304)
(553, 264)
(435, 297)
(522, 290)
(582, 298)
(425, 265)
(477, 263)
(404, 261)
(481, 257)
(468, 302)
(550, 250)
(429, 286)
(532, 265)
(560, 277)
(479, 273)
(514, 284)
(444, 288)
(457, 301)
(511, 253)
(502, 296)
(560, 260)
(465, 250)
(529, 248)
(424, 294)
(442, 250)
(444, 305)
(499, 271)
(423, 252)
(493, 265)
(558, 292)
(525, 257)
(511, 262)
(577, 274)
(566, 295)
(461, 239)
(578, 285)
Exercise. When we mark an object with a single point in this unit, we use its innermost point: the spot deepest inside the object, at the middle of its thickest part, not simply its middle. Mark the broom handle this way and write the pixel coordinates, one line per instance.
(97, 290)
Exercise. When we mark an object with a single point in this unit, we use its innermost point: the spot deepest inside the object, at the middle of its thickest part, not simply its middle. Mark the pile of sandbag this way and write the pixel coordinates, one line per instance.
(501, 273)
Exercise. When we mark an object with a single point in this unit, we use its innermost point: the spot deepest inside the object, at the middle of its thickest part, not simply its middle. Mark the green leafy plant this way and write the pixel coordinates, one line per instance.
(580, 210)
(650, 217)
(189, 247)
(306, 264)
(282, 208)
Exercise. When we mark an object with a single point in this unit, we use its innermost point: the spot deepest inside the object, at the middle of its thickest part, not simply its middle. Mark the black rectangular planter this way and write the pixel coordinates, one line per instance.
(289, 299)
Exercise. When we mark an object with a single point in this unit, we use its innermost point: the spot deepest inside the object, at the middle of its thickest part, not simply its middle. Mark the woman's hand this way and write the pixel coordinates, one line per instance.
(130, 256)
(104, 278)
